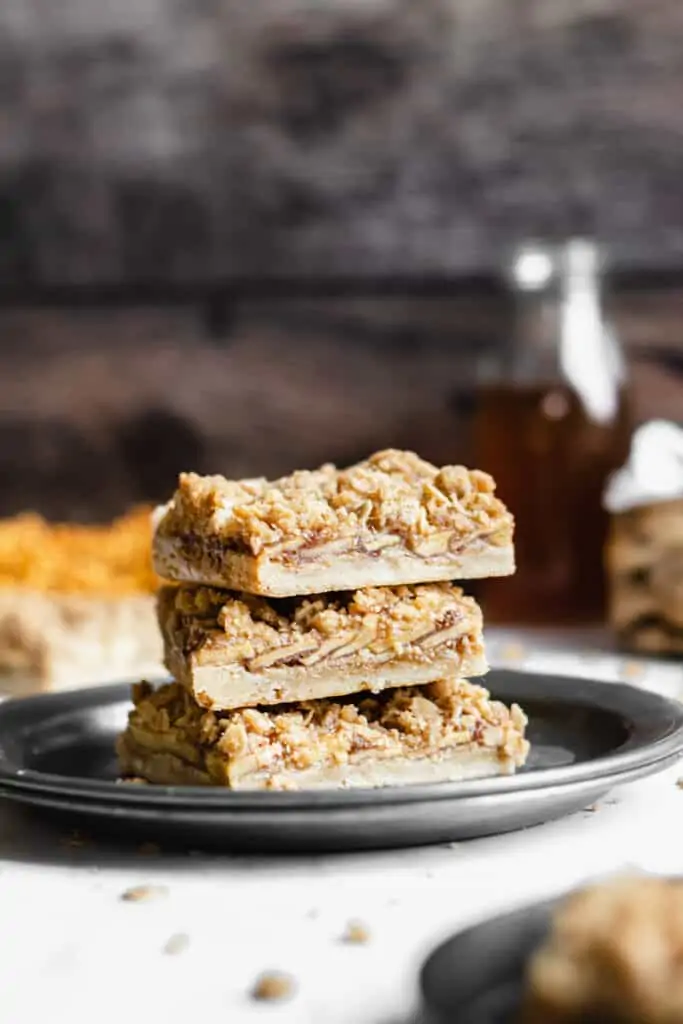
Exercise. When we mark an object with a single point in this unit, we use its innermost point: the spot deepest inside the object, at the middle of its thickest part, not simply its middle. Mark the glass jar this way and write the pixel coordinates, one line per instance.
(552, 421)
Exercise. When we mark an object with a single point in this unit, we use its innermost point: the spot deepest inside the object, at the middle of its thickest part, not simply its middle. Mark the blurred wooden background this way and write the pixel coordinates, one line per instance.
(180, 144)
(102, 408)
(184, 140)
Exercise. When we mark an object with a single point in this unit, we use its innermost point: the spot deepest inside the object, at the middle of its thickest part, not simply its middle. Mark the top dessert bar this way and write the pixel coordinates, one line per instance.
(390, 520)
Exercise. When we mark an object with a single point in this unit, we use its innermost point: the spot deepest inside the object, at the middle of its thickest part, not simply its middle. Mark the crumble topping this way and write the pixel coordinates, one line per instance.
(392, 496)
(614, 953)
(406, 722)
(115, 559)
(377, 623)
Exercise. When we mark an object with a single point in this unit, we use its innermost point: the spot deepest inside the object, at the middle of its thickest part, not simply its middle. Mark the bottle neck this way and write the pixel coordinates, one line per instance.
(561, 334)
(590, 356)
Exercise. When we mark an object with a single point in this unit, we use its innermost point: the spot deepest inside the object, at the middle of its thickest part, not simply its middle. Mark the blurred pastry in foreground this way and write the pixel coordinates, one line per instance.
(613, 955)
(237, 650)
(76, 603)
(445, 731)
(390, 520)
(644, 555)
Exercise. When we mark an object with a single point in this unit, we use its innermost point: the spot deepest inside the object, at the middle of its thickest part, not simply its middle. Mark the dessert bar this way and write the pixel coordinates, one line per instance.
(645, 569)
(236, 650)
(390, 520)
(60, 641)
(76, 603)
(447, 730)
(613, 954)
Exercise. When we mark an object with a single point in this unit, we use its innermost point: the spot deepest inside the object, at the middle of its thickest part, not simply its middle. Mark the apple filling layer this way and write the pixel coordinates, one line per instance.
(389, 520)
(447, 730)
(237, 650)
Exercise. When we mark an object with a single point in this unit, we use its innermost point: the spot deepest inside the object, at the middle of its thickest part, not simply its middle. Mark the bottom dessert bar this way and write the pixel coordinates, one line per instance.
(447, 730)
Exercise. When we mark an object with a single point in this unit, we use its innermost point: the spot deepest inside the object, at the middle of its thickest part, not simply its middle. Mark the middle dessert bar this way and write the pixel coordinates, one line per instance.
(237, 650)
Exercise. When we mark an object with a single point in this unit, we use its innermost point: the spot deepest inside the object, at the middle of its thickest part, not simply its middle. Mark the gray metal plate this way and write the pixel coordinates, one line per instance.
(477, 977)
(57, 752)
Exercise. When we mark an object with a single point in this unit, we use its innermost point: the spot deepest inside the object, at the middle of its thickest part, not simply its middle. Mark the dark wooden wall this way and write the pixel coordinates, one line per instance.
(102, 408)
(177, 140)
(182, 143)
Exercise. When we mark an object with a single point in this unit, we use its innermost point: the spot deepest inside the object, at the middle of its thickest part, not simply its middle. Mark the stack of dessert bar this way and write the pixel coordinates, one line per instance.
(314, 636)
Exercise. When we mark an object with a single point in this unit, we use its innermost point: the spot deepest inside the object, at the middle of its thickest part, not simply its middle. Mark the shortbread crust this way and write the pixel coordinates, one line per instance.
(390, 520)
(447, 730)
(239, 650)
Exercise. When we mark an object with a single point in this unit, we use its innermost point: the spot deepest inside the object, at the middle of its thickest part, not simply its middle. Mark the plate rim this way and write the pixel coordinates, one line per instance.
(541, 909)
(184, 801)
(620, 699)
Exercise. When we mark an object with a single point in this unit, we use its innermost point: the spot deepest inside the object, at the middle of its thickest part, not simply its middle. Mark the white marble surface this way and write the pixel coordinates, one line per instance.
(71, 949)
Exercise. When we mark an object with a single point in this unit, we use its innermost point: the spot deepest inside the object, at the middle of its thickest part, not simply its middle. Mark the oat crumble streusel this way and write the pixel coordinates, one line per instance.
(375, 622)
(393, 495)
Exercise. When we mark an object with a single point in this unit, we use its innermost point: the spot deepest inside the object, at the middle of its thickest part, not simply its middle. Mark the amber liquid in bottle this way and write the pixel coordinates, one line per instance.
(550, 462)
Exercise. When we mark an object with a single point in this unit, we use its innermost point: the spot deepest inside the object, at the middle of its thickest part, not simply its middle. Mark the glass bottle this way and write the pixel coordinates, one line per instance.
(551, 423)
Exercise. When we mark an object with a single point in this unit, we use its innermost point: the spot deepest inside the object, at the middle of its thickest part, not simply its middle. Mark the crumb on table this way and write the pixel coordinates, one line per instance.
(75, 839)
(513, 652)
(144, 893)
(273, 986)
(356, 933)
(149, 849)
(177, 943)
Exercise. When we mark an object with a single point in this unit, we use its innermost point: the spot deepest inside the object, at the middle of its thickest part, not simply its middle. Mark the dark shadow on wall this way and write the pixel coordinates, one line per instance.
(154, 447)
(54, 468)
(69, 473)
